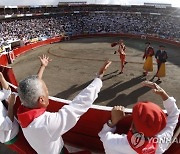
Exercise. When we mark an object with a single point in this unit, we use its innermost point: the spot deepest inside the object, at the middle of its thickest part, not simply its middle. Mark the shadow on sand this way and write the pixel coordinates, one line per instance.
(113, 93)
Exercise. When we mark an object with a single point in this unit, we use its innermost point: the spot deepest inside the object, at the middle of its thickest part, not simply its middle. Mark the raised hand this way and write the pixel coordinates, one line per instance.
(102, 70)
(3, 82)
(117, 114)
(44, 60)
(1, 75)
(11, 102)
(12, 99)
(156, 89)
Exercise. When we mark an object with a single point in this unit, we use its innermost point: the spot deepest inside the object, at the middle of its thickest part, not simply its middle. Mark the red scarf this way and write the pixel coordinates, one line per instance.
(140, 145)
(27, 115)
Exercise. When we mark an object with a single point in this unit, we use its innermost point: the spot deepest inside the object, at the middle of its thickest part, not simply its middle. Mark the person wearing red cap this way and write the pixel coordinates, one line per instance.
(149, 126)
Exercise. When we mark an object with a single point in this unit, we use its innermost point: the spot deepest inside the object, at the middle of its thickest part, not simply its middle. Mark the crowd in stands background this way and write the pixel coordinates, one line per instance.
(89, 8)
(31, 29)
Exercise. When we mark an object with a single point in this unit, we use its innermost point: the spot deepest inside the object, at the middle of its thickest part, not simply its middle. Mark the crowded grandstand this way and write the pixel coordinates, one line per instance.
(28, 24)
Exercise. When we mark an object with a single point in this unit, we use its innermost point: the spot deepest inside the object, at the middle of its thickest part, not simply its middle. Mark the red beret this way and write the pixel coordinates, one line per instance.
(148, 118)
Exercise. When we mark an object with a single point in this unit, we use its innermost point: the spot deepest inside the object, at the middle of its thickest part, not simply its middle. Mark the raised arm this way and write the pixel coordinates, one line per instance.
(6, 91)
(11, 102)
(4, 82)
(67, 117)
(44, 63)
(6, 122)
(113, 141)
(172, 118)
(103, 69)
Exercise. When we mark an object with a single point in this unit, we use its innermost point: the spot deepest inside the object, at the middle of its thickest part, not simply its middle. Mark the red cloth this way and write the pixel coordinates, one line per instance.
(140, 145)
(114, 44)
(148, 118)
(27, 115)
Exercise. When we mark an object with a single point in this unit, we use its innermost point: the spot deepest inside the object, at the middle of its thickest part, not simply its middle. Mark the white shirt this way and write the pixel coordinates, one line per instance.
(118, 144)
(8, 129)
(44, 132)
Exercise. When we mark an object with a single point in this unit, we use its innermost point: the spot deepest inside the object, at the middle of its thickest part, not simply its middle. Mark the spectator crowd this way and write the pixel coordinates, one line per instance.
(90, 23)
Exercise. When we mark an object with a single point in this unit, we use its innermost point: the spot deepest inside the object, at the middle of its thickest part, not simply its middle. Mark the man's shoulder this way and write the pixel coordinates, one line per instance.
(158, 51)
(41, 120)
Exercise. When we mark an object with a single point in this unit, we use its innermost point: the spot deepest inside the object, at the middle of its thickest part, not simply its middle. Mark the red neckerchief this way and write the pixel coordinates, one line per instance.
(27, 115)
(141, 146)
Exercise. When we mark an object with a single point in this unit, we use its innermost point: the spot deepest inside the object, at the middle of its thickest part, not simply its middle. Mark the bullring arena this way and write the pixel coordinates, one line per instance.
(75, 63)
(89, 31)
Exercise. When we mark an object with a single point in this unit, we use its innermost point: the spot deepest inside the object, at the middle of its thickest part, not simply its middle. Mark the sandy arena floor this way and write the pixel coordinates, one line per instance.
(76, 62)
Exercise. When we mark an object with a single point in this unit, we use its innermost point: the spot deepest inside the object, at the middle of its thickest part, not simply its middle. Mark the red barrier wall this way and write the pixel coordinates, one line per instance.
(3, 60)
(30, 46)
(105, 35)
(171, 42)
(21, 50)
(8, 74)
(148, 37)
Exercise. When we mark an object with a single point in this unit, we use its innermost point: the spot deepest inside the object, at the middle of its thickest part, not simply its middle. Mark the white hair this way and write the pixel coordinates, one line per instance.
(29, 90)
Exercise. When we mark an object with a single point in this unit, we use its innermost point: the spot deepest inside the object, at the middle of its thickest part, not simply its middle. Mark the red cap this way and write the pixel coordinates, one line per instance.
(148, 118)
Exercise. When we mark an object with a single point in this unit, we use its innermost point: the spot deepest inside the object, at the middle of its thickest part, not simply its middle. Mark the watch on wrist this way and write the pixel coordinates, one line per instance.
(110, 124)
